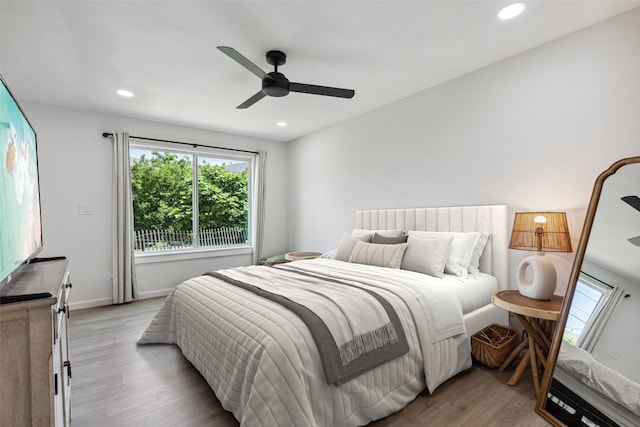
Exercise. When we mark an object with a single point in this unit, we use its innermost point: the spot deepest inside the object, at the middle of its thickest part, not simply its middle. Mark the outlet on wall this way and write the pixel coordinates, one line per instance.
(613, 354)
(85, 209)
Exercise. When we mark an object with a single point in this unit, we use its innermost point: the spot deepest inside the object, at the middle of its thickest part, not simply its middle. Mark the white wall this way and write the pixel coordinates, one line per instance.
(75, 168)
(619, 342)
(533, 132)
(618, 345)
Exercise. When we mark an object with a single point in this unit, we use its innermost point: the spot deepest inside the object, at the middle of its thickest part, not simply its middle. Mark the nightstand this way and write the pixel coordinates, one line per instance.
(538, 318)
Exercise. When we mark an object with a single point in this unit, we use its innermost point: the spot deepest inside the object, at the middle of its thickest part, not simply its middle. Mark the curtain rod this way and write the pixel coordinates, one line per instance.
(626, 294)
(107, 134)
(596, 279)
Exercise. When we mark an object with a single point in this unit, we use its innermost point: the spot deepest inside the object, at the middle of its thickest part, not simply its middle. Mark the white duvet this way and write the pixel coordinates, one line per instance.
(263, 365)
(605, 380)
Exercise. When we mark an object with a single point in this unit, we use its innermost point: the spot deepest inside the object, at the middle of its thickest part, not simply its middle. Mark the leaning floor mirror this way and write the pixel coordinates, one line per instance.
(593, 370)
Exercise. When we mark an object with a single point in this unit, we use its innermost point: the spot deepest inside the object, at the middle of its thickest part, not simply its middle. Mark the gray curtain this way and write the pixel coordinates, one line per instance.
(259, 204)
(124, 272)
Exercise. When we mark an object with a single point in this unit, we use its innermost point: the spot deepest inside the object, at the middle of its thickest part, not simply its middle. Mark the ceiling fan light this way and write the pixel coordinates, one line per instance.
(281, 124)
(512, 10)
(275, 83)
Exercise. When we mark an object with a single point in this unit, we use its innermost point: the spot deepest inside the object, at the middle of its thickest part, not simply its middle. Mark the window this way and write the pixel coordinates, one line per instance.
(589, 296)
(193, 199)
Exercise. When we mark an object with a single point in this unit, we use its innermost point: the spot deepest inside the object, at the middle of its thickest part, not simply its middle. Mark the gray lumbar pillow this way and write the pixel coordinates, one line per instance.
(383, 240)
(376, 254)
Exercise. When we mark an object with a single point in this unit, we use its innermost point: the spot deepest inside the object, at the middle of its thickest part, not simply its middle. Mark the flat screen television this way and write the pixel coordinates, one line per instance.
(20, 219)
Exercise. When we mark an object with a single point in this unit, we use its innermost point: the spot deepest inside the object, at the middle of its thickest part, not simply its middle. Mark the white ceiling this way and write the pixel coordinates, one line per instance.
(77, 53)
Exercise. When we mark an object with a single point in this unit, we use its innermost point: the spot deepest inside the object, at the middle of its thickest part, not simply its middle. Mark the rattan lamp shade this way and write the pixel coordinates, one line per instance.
(539, 232)
(555, 232)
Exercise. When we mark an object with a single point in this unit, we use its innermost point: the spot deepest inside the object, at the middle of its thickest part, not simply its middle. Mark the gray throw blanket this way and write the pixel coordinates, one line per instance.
(340, 362)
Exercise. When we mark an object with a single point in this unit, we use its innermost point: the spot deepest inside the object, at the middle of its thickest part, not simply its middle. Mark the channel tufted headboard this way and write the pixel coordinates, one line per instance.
(490, 219)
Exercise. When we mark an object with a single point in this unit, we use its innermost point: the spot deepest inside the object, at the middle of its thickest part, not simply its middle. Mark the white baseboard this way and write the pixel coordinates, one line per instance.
(155, 294)
(90, 303)
(78, 305)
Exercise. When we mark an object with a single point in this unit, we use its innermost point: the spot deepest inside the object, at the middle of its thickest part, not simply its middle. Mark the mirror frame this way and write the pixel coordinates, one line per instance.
(573, 279)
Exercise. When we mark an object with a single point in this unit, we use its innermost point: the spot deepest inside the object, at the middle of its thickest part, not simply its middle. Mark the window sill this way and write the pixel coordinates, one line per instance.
(150, 258)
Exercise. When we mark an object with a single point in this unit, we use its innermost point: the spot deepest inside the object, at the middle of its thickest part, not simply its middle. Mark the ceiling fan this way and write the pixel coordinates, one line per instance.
(634, 202)
(275, 83)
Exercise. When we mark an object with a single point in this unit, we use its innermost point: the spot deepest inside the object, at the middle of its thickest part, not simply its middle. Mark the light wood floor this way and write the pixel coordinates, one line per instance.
(116, 383)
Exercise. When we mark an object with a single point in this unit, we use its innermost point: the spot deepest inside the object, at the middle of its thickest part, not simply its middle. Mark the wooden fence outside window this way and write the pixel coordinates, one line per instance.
(165, 240)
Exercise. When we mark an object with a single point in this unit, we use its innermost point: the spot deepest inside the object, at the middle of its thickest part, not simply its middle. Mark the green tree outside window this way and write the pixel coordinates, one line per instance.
(163, 205)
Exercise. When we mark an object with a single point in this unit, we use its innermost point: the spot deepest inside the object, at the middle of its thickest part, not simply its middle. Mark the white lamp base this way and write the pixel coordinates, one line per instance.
(543, 283)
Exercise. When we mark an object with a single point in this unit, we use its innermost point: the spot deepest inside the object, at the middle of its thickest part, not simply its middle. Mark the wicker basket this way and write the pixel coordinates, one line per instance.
(492, 345)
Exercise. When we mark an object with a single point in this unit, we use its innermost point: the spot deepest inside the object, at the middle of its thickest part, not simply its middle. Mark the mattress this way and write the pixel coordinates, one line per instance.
(474, 292)
(262, 363)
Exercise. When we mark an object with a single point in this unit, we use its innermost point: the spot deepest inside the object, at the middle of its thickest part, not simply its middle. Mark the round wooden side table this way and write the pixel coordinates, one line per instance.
(297, 256)
(538, 318)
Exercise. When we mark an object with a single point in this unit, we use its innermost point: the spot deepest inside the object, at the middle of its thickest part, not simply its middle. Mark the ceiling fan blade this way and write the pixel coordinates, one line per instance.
(249, 102)
(240, 59)
(321, 90)
(633, 201)
(635, 241)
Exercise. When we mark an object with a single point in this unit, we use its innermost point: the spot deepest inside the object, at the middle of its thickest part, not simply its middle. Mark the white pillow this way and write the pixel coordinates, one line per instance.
(474, 265)
(378, 254)
(427, 256)
(330, 254)
(461, 250)
(347, 243)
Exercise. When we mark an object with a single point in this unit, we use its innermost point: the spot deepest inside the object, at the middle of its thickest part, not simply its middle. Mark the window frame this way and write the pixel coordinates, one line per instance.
(605, 291)
(198, 151)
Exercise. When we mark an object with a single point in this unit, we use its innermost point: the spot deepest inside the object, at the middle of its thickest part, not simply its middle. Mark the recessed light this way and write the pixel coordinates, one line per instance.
(281, 124)
(125, 93)
(511, 10)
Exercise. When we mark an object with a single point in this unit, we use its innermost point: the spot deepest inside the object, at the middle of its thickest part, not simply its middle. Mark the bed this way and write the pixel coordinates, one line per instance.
(594, 388)
(265, 365)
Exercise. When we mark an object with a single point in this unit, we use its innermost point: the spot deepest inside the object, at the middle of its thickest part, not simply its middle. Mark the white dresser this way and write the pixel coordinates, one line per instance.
(35, 368)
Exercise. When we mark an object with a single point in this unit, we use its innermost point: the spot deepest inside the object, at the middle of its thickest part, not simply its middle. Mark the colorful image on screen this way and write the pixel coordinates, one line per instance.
(20, 223)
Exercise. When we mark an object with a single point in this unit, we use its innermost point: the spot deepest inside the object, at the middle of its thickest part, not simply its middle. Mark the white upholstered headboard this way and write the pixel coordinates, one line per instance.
(490, 219)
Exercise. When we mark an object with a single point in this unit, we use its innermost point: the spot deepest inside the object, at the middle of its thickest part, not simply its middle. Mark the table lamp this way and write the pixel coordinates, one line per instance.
(539, 231)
